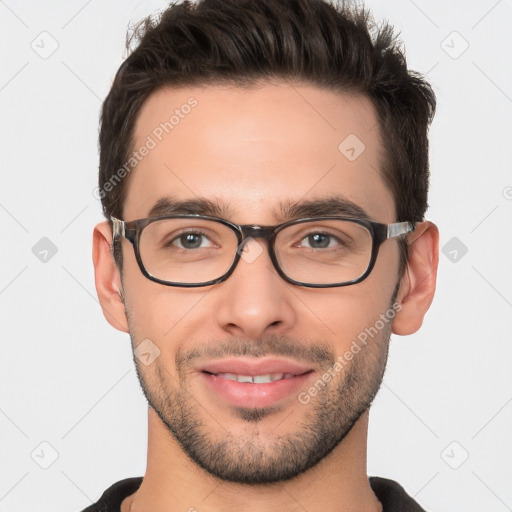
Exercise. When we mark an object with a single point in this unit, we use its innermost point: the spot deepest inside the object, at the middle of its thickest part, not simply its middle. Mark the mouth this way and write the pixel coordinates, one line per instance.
(249, 383)
(255, 379)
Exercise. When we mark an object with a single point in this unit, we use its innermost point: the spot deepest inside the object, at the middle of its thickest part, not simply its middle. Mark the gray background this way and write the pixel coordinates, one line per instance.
(441, 424)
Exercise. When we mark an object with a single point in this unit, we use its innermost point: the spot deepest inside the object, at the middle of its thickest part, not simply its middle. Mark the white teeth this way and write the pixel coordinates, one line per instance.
(264, 379)
(256, 379)
(261, 379)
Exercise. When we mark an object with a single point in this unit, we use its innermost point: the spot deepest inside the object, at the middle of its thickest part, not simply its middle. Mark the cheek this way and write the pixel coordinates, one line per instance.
(166, 315)
(153, 309)
(347, 312)
(384, 275)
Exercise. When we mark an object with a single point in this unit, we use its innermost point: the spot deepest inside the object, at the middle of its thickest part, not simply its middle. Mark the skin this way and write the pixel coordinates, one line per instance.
(251, 150)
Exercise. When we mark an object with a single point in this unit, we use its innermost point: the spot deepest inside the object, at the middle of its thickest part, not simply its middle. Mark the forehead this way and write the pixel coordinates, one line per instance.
(252, 149)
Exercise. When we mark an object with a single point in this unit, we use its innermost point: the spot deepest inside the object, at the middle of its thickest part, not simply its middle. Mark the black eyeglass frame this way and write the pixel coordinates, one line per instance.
(379, 232)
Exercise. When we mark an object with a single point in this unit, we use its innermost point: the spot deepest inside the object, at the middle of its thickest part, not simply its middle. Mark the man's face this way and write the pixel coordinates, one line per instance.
(253, 153)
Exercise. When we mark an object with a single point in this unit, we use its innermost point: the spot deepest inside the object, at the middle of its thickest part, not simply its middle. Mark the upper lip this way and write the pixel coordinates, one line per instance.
(252, 367)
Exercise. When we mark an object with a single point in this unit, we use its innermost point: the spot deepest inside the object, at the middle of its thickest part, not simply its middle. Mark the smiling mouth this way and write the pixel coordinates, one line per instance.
(254, 379)
(254, 384)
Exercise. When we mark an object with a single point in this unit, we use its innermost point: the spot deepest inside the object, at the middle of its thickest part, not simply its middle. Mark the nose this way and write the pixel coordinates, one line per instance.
(255, 300)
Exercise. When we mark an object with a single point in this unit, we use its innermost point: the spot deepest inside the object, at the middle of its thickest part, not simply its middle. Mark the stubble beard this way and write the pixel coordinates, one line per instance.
(254, 458)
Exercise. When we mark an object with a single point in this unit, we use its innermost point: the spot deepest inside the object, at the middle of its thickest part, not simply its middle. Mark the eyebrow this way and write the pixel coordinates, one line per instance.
(170, 206)
(332, 205)
(288, 210)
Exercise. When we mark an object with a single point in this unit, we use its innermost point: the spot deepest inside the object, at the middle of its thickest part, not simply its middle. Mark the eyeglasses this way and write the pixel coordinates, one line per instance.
(198, 250)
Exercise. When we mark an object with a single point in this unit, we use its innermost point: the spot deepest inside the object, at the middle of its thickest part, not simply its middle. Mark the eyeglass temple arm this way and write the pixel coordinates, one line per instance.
(118, 228)
(399, 228)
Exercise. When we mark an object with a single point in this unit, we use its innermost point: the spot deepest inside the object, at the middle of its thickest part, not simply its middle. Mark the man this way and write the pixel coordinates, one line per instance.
(264, 174)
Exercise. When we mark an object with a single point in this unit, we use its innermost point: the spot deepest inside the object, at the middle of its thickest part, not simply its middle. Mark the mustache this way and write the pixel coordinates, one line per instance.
(317, 352)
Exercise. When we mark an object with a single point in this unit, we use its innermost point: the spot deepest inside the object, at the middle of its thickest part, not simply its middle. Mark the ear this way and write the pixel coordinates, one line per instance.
(418, 284)
(107, 278)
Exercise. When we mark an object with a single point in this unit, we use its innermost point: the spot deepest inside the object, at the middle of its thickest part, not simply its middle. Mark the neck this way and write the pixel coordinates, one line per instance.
(173, 482)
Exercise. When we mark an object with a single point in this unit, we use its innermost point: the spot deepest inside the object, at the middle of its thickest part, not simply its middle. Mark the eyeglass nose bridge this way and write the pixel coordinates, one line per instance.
(253, 232)
(256, 231)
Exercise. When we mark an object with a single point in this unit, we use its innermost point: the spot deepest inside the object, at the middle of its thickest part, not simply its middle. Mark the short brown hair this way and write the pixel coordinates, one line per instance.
(244, 42)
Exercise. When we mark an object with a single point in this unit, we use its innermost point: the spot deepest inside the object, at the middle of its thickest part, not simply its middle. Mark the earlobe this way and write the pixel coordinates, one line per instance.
(418, 283)
(107, 278)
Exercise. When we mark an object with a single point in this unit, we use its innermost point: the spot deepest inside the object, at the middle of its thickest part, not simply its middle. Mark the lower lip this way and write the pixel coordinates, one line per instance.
(250, 395)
